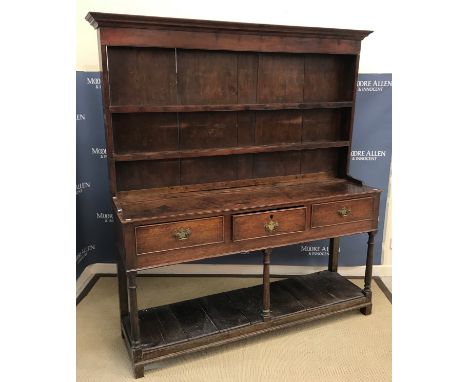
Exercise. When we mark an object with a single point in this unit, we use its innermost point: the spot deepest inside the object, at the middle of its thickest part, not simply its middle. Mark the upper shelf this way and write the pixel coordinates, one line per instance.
(227, 151)
(228, 107)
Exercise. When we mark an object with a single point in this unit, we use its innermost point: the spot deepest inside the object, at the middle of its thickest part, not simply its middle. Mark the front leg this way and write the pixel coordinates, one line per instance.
(138, 371)
(133, 309)
(333, 253)
(368, 276)
(266, 284)
(123, 289)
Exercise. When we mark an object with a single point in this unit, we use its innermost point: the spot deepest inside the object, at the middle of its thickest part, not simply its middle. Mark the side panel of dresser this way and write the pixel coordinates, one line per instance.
(154, 245)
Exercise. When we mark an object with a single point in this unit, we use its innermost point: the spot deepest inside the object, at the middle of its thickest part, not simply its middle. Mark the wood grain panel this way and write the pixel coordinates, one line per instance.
(280, 78)
(283, 302)
(147, 174)
(281, 126)
(150, 330)
(205, 77)
(160, 237)
(277, 164)
(142, 76)
(252, 226)
(328, 78)
(214, 152)
(247, 71)
(157, 205)
(208, 169)
(169, 325)
(222, 312)
(144, 132)
(229, 107)
(227, 41)
(246, 128)
(327, 160)
(193, 319)
(248, 301)
(327, 213)
(316, 289)
(245, 169)
(325, 125)
(308, 297)
(207, 130)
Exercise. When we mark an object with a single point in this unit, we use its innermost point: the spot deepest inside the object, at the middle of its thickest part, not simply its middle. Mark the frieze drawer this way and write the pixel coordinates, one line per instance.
(183, 234)
(344, 211)
(269, 223)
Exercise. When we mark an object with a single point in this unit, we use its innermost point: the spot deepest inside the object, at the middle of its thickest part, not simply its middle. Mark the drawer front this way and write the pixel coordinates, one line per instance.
(269, 223)
(344, 211)
(183, 234)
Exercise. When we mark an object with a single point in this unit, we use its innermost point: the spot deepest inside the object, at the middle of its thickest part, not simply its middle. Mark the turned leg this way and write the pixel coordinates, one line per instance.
(122, 282)
(139, 371)
(133, 306)
(368, 276)
(123, 293)
(333, 250)
(266, 284)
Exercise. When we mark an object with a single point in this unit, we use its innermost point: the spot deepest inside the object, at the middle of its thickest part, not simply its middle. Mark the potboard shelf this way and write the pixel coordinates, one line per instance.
(187, 325)
(227, 151)
(228, 107)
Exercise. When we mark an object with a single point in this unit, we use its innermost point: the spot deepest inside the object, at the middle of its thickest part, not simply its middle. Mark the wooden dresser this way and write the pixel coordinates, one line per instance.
(225, 138)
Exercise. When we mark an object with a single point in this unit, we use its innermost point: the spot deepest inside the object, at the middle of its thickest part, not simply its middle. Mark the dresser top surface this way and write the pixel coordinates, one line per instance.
(151, 203)
(112, 20)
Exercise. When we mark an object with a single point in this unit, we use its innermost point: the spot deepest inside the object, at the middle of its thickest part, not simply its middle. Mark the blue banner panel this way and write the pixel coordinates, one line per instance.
(370, 161)
(94, 218)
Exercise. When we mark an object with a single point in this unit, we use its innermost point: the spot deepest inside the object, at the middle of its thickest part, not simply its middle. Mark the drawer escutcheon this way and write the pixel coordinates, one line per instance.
(182, 233)
(271, 226)
(344, 211)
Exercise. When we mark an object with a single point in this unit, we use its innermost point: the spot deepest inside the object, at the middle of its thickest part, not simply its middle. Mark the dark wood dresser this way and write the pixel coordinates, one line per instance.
(225, 138)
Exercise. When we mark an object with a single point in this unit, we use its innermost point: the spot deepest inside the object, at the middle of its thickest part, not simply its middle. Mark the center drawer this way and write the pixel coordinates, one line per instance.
(183, 234)
(269, 223)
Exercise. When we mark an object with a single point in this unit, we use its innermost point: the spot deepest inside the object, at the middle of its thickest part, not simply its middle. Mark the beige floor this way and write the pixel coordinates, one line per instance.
(387, 280)
(349, 347)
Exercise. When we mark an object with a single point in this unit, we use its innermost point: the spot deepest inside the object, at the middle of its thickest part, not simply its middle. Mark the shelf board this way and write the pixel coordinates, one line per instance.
(227, 151)
(190, 324)
(180, 203)
(229, 107)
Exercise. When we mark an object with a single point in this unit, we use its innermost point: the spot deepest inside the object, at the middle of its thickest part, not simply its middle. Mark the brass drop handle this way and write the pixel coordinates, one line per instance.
(343, 211)
(182, 233)
(271, 226)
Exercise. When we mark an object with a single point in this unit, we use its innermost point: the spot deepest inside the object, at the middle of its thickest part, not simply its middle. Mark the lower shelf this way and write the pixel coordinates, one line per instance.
(212, 320)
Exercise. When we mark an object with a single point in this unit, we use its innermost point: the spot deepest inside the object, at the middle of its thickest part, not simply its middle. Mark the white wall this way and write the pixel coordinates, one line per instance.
(376, 55)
